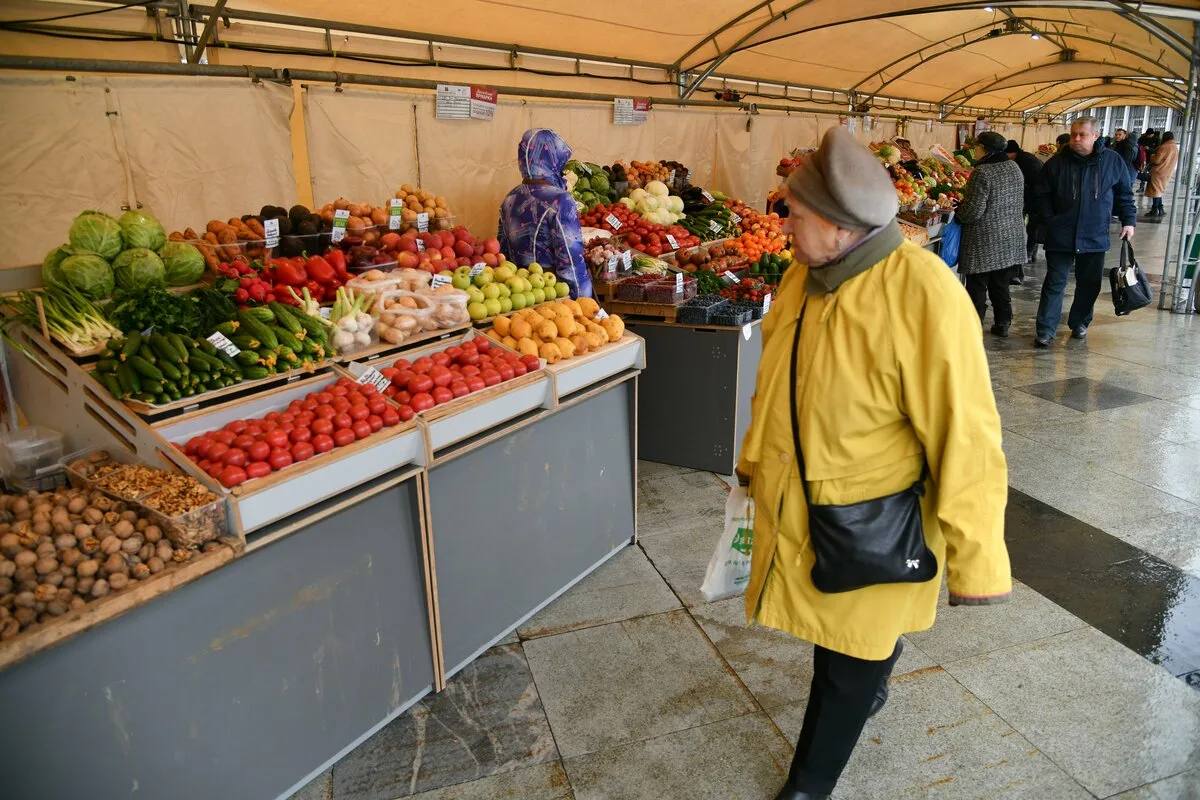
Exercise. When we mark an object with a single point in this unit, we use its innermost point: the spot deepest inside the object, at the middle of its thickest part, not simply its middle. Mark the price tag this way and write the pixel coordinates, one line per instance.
(477, 268)
(395, 209)
(729, 277)
(420, 245)
(678, 281)
(714, 226)
(671, 241)
(423, 222)
(325, 311)
(736, 219)
(271, 229)
(671, 176)
(440, 280)
(766, 303)
(708, 198)
(375, 378)
(585, 168)
(627, 259)
(611, 267)
(602, 314)
(746, 331)
(222, 343)
(612, 220)
(340, 218)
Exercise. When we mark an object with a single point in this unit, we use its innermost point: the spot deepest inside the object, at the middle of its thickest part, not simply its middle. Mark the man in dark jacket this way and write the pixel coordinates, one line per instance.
(1031, 171)
(1076, 194)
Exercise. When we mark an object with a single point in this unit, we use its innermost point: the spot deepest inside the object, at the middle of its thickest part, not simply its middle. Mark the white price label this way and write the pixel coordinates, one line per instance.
(423, 222)
(714, 226)
(671, 176)
(325, 311)
(766, 303)
(736, 219)
(601, 314)
(627, 259)
(420, 245)
(340, 218)
(271, 231)
(671, 241)
(708, 198)
(746, 331)
(375, 378)
(585, 168)
(477, 268)
(612, 220)
(395, 209)
(222, 343)
(729, 277)
(611, 267)
(440, 280)
(679, 281)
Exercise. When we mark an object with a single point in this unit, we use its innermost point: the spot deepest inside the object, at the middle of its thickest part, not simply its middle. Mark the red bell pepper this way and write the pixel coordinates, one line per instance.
(337, 259)
(321, 271)
(316, 290)
(289, 272)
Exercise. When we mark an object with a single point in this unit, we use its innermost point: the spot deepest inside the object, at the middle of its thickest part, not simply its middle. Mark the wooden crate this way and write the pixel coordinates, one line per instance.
(216, 397)
(658, 311)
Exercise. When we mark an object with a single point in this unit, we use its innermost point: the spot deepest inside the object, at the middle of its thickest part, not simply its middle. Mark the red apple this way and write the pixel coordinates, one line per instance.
(462, 248)
(492, 245)
(490, 259)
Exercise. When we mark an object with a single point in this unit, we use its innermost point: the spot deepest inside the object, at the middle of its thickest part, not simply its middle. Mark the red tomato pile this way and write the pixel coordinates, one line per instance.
(641, 234)
(335, 416)
(454, 372)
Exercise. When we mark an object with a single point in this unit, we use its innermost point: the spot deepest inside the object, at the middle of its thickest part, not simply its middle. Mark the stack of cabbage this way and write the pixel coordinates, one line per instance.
(655, 203)
(589, 184)
(130, 252)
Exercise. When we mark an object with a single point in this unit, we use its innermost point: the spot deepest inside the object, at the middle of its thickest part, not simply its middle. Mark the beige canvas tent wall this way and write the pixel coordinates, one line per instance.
(193, 148)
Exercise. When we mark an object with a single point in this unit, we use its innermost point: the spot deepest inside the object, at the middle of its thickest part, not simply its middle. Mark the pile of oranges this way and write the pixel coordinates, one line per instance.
(759, 233)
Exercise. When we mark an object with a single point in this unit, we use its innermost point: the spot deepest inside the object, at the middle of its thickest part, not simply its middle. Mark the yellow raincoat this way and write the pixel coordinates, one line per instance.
(891, 370)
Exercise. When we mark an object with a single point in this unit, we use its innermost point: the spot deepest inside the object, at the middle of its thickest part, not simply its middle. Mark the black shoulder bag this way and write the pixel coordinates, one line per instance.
(1130, 289)
(862, 544)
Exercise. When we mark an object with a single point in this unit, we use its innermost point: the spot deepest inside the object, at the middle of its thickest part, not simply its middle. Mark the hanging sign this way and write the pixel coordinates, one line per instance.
(678, 282)
(627, 259)
(729, 277)
(483, 102)
(630, 110)
(465, 102)
(981, 125)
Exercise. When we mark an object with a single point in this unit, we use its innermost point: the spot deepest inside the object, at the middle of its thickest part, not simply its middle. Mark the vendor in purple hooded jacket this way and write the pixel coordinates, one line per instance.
(538, 220)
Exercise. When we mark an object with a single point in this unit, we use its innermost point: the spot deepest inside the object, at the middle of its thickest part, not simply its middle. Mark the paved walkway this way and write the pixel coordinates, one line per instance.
(630, 686)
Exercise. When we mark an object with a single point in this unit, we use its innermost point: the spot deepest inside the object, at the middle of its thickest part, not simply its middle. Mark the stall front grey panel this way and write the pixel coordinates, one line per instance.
(237, 685)
(694, 395)
(520, 518)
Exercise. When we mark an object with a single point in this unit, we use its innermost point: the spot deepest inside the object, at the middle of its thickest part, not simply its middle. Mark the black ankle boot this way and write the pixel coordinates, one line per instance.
(795, 794)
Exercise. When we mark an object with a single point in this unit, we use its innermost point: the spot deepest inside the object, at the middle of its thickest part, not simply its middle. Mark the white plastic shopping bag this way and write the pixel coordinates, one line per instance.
(729, 568)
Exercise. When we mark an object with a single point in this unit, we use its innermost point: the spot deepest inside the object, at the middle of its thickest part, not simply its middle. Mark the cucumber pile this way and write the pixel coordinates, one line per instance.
(159, 368)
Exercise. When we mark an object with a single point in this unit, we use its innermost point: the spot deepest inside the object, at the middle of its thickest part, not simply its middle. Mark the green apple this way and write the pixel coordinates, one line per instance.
(477, 310)
(518, 301)
(515, 285)
(505, 305)
(446, 273)
(503, 273)
(539, 296)
(461, 280)
(537, 282)
(485, 277)
(491, 291)
(563, 290)
(529, 299)
(535, 268)
(550, 278)
(504, 290)
(475, 294)
(493, 307)
(522, 272)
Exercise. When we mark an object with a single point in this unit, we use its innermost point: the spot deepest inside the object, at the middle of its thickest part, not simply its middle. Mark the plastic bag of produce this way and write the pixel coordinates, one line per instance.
(729, 568)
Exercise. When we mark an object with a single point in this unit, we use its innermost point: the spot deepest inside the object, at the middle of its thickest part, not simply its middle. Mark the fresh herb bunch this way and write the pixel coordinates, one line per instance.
(155, 308)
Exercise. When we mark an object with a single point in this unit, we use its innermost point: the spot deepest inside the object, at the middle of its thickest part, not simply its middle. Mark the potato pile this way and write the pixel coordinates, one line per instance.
(417, 200)
(557, 330)
(60, 550)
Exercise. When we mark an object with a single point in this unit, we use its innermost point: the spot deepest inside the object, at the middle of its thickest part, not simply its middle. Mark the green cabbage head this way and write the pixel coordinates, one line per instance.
(141, 230)
(89, 273)
(183, 263)
(96, 232)
(52, 274)
(139, 268)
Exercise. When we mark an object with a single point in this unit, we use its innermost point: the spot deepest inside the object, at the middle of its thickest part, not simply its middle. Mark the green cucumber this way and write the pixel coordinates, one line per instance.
(198, 364)
(286, 319)
(285, 337)
(246, 358)
(181, 346)
(246, 342)
(106, 365)
(229, 328)
(130, 382)
(132, 342)
(144, 367)
(258, 330)
(110, 382)
(260, 313)
(255, 373)
(169, 371)
(314, 326)
(163, 349)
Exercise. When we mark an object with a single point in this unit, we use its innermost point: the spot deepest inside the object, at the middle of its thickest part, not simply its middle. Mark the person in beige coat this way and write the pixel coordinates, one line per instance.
(1162, 168)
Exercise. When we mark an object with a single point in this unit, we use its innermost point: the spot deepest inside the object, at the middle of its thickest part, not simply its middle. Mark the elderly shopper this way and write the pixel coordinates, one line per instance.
(993, 238)
(1031, 171)
(873, 453)
(1162, 169)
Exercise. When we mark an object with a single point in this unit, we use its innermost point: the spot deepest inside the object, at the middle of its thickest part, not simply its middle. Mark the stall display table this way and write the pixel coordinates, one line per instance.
(694, 400)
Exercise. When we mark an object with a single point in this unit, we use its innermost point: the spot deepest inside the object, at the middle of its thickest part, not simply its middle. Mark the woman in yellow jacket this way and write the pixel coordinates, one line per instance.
(891, 386)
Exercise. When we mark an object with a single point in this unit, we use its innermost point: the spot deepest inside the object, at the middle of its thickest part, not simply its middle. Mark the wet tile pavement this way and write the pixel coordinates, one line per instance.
(1085, 685)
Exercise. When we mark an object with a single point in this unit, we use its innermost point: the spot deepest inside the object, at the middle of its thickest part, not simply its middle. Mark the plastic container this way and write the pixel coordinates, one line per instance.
(755, 310)
(730, 317)
(190, 528)
(25, 451)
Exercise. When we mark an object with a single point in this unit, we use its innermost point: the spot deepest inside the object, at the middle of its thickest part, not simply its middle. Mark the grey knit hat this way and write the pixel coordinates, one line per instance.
(992, 142)
(844, 183)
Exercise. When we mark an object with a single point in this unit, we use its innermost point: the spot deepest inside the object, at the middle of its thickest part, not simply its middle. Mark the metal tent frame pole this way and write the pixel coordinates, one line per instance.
(1184, 210)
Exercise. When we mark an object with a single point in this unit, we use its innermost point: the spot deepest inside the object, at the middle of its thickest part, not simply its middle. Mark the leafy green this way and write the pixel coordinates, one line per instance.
(89, 273)
(183, 263)
(155, 308)
(52, 274)
(138, 268)
(96, 232)
(141, 230)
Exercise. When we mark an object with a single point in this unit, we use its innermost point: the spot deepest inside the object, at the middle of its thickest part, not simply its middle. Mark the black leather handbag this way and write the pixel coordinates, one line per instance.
(1130, 289)
(863, 544)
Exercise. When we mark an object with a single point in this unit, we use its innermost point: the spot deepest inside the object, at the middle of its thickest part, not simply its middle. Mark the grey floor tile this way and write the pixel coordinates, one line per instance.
(736, 759)
(1017, 407)
(1170, 467)
(1162, 418)
(1160, 383)
(682, 556)
(626, 586)
(1191, 401)
(653, 469)
(319, 788)
(965, 631)
(1024, 368)
(776, 667)
(512, 638)
(1171, 537)
(487, 720)
(934, 739)
(1110, 719)
(1179, 787)
(1091, 437)
(1086, 394)
(546, 781)
(687, 501)
(625, 681)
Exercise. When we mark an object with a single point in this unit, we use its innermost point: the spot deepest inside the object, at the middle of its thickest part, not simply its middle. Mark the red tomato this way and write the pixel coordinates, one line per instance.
(468, 357)
(257, 469)
(441, 376)
(309, 404)
(232, 476)
(419, 384)
(300, 434)
(276, 438)
(203, 445)
(401, 364)
(422, 364)
(376, 405)
(531, 363)
(347, 382)
(519, 369)
(362, 429)
(325, 412)
(343, 437)
(375, 421)
(390, 391)
(254, 429)
(470, 347)
(483, 344)
(442, 395)
(258, 451)
(459, 388)
(403, 398)
(356, 399)
(367, 389)
(302, 451)
(403, 377)
(342, 421)
(359, 412)
(322, 397)
(471, 370)
(392, 417)
(306, 418)
(453, 352)
(204, 464)
(506, 372)
(280, 458)
(237, 426)
(475, 383)
(422, 401)
(243, 441)
(322, 443)
(339, 391)
(341, 404)
(276, 414)
(287, 419)
(322, 426)
(269, 426)
(215, 468)
(440, 359)
(224, 437)
(234, 457)
(490, 377)
(389, 372)
(217, 451)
